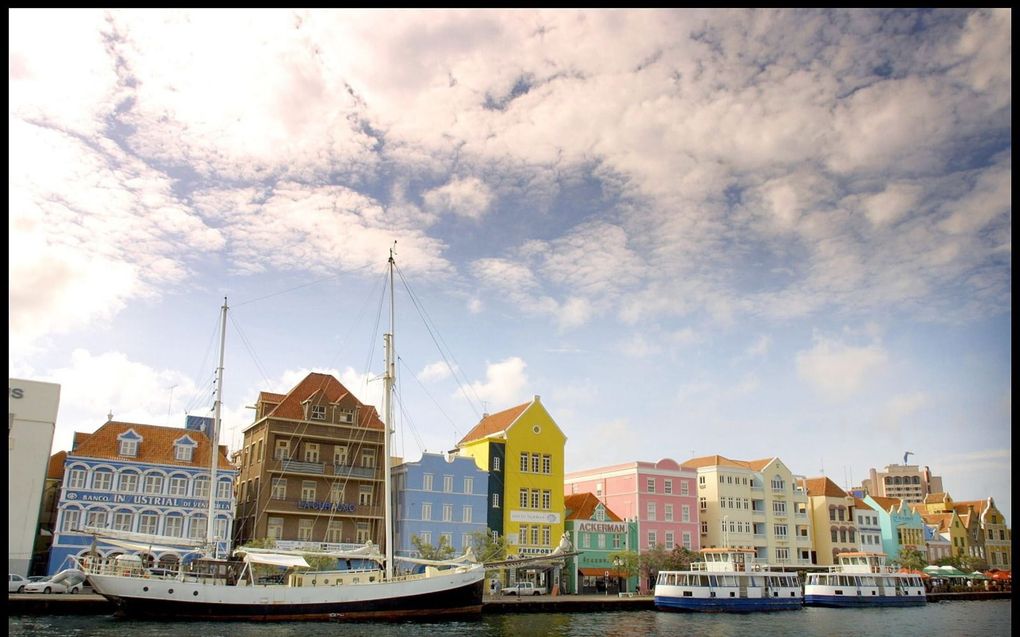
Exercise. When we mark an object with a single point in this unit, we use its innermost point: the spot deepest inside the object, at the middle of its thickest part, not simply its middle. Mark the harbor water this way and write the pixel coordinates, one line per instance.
(950, 619)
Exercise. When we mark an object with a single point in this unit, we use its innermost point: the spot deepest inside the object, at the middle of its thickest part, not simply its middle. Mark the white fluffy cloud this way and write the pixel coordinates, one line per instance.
(505, 385)
(837, 370)
(468, 197)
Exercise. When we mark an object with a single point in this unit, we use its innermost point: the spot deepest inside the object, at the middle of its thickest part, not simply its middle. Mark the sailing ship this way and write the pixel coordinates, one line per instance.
(237, 589)
(727, 580)
(863, 579)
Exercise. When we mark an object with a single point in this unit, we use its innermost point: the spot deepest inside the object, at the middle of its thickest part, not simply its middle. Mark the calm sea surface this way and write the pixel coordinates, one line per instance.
(945, 619)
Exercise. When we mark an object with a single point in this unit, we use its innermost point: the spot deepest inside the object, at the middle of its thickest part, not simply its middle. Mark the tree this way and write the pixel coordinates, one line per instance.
(654, 560)
(487, 547)
(681, 559)
(442, 551)
(912, 559)
(630, 562)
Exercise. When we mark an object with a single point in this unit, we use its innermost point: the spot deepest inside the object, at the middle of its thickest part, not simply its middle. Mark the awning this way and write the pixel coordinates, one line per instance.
(149, 548)
(275, 559)
(600, 572)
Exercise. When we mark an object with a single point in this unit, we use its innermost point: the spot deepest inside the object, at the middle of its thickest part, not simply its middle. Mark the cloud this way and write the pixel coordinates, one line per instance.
(434, 372)
(505, 385)
(760, 347)
(468, 197)
(902, 407)
(837, 370)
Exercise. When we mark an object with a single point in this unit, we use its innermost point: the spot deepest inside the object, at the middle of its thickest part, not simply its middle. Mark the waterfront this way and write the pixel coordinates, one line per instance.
(962, 618)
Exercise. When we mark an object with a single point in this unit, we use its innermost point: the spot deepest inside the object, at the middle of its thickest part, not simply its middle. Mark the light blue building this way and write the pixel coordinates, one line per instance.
(142, 479)
(902, 527)
(439, 495)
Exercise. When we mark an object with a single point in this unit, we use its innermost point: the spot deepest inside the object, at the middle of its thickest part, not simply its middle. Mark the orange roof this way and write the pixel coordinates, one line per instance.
(320, 389)
(157, 445)
(941, 520)
(823, 487)
(55, 468)
(934, 498)
(861, 504)
(581, 506)
(495, 423)
(712, 461)
(887, 503)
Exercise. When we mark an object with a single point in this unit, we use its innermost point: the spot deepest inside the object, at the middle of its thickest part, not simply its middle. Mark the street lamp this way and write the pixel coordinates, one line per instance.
(617, 565)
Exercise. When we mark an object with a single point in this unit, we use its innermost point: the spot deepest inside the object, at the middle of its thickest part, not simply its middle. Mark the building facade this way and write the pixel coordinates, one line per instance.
(869, 530)
(907, 482)
(659, 496)
(439, 498)
(311, 469)
(757, 503)
(141, 479)
(831, 511)
(600, 536)
(31, 420)
(902, 526)
(522, 450)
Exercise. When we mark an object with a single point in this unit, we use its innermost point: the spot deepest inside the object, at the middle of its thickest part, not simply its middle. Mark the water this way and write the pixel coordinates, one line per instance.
(947, 619)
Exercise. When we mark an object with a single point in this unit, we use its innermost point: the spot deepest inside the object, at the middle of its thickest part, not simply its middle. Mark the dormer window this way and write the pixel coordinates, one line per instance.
(129, 443)
(184, 449)
(318, 412)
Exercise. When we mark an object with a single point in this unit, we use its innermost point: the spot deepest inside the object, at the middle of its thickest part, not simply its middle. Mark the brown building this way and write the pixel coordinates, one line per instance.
(311, 468)
(908, 482)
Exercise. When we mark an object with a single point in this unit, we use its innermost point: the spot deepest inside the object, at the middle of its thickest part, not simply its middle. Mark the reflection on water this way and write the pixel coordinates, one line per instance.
(949, 619)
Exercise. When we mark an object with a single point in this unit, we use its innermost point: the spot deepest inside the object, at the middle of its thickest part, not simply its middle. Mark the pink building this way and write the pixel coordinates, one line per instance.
(661, 496)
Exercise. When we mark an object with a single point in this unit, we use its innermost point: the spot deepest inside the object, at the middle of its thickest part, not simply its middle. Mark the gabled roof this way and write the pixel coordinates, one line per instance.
(823, 487)
(861, 504)
(55, 468)
(156, 447)
(713, 461)
(322, 389)
(887, 503)
(942, 521)
(934, 498)
(581, 506)
(495, 423)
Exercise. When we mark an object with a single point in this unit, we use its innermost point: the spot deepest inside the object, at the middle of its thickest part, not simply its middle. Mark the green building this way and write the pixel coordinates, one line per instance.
(600, 536)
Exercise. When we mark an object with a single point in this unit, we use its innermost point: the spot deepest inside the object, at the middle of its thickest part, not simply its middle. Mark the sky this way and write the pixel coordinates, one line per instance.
(751, 233)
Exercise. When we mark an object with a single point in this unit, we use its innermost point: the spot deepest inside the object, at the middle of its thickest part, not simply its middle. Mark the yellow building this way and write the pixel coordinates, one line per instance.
(950, 527)
(522, 449)
(832, 519)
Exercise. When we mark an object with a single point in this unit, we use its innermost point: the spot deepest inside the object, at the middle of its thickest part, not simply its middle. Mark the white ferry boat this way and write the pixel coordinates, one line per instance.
(728, 580)
(863, 579)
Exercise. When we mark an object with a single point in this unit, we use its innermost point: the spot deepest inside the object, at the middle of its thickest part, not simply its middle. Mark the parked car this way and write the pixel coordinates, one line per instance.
(15, 583)
(67, 581)
(523, 588)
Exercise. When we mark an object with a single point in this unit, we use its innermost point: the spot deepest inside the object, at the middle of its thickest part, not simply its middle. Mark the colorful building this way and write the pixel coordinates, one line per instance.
(521, 448)
(831, 511)
(757, 503)
(600, 536)
(902, 527)
(142, 479)
(869, 530)
(659, 496)
(439, 497)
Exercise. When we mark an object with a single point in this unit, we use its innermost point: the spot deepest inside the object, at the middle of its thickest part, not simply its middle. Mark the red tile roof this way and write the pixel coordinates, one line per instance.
(55, 468)
(861, 504)
(157, 445)
(823, 487)
(717, 460)
(887, 503)
(581, 506)
(320, 389)
(495, 423)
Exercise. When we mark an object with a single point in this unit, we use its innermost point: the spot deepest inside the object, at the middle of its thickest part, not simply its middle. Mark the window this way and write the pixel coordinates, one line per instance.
(651, 539)
(534, 462)
(668, 513)
(224, 489)
(198, 527)
(780, 530)
(275, 529)
(261, 452)
(201, 487)
(154, 484)
(426, 482)
(334, 531)
(102, 480)
(684, 488)
(182, 452)
(651, 511)
(687, 540)
(783, 555)
(546, 464)
(669, 541)
(778, 484)
(368, 458)
(282, 450)
(304, 529)
(524, 498)
(495, 500)
(425, 537)
(129, 448)
(469, 485)
(616, 541)
(534, 535)
(365, 495)
(547, 499)
(447, 513)
(685, 513)
(128, 483)
(465, 514)
(426, 511)
(178, 486)
(650, 485)
(667, 487)
(535, 495)
(448, 484)
(122, 521)
(495, 463)
(704, 527)
(76, 479)
(279, 489)
(318, 412)
(703, 503)
(779, 507)
(71, 521)
(174, 526)
(586, 540)
(147, 523)
(524, 462)
(311, 452)
(340, 455)
(308, 490)
(336, 493)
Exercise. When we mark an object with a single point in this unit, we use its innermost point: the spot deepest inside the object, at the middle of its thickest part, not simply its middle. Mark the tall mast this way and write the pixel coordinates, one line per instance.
(214, 436)
(389, 378)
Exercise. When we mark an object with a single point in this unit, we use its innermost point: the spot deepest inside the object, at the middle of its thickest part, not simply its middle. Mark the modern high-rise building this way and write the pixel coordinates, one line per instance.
(908, 482)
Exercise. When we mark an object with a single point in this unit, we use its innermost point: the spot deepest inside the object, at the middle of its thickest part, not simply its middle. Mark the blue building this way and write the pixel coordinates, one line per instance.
(141, 479)
(439, 495)
(902, 527)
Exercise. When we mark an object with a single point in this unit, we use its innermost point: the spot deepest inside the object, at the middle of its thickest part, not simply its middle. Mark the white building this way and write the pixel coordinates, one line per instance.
(32, 416)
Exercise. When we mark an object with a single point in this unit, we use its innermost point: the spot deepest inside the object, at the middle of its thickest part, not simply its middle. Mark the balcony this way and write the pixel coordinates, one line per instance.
(325, 508)
(320, 469)
(293, 466)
